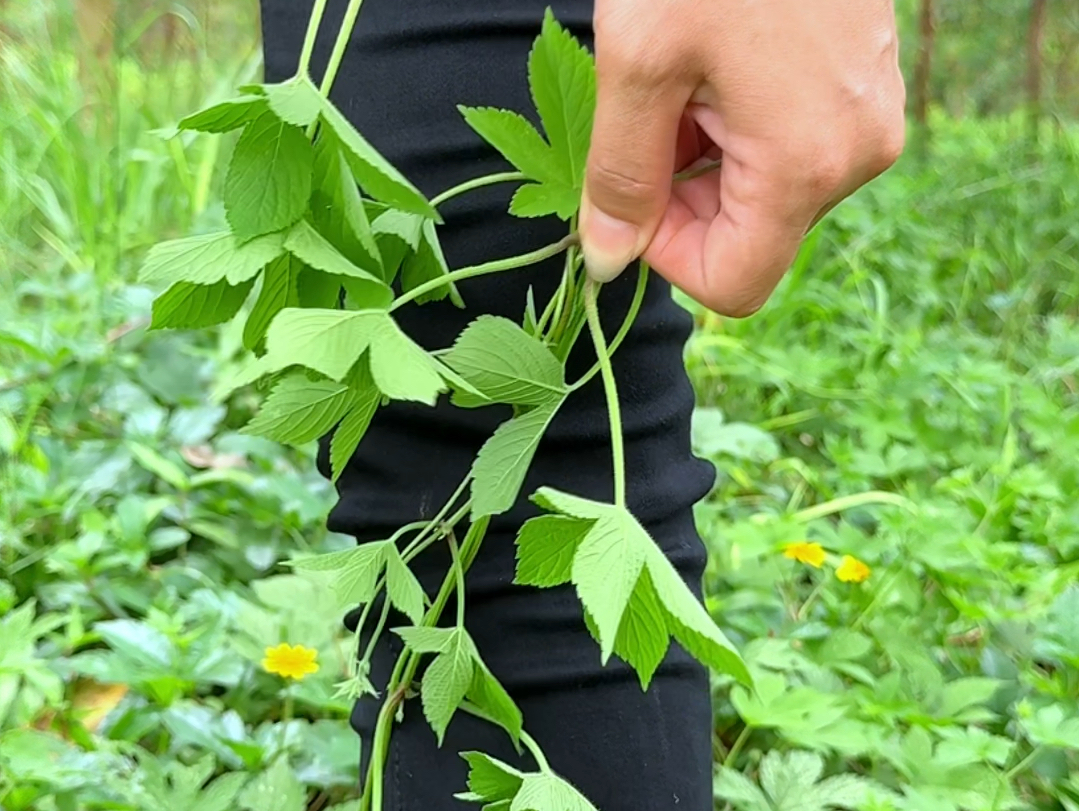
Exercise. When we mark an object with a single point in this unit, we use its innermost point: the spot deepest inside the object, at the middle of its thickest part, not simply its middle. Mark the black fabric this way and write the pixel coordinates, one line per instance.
(410, 63)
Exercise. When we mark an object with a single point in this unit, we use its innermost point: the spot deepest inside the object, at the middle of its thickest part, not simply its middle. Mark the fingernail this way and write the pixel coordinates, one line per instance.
(608, 244)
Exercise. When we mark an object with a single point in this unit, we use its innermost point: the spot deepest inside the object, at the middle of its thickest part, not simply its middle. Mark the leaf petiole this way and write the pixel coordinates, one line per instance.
(510, 263)
(614, 410)
(344, 35)
(476, 183)
(312, 34)
(627, 322)
(459, 571)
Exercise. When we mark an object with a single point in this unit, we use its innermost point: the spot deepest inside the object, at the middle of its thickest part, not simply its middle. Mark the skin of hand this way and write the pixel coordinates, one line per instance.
(802, 99)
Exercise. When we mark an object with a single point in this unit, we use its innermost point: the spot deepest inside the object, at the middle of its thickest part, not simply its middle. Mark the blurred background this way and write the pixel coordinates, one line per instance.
(907, 401)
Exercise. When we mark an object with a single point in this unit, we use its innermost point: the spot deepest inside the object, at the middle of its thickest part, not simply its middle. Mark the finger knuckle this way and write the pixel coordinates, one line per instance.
(620, 187)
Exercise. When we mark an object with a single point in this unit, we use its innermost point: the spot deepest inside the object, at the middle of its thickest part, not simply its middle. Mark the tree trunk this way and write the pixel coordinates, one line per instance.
(1035, 36)
(923, 67)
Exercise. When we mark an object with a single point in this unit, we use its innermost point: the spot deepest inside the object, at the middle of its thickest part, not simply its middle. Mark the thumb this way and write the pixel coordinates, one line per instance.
(630, 164)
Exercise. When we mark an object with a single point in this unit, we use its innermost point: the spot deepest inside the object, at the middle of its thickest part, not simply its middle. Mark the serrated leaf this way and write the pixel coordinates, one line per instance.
(605, 571)
(545, 549)
(562, 77)
(300, 410)
(278, 291)
(355, 571)
(506, 364)
(503, 461)
(296, 101)
(422, 639)
(330, 342)
(787, 776)
(209, 258)
(689, 622)
(354, 425)
(642, 639)
(276, 789)
(737, 788)
(397, 233)
(221, 793)
(374, 173)
(402, 587)
(268, 184)
(535, 200)
(491, 780)
(487, 693)
(337, 209)
(225, 116)
(196, 306)
(308, 245)
(425, 264)
(548, 792)
(446, 681)
(518, 142)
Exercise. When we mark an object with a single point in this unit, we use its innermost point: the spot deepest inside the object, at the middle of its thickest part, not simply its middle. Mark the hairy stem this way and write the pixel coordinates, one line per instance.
(312, 34)
(344, 36)
(476, 183)
(510, 263)
(627, 322)
(614, 410)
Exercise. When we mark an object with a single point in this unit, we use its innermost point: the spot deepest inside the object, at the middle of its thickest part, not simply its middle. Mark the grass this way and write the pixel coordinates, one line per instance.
(908, 399)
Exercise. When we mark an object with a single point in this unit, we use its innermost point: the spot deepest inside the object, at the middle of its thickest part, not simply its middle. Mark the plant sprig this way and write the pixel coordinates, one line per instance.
(337, 241)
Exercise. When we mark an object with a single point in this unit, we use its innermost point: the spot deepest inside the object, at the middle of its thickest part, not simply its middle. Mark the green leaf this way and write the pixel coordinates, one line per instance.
(330, 342)
(518, 142)
(487, 693)
(300, 410)
(296, 101)
(268, 184)
(549, 792)
(196, 306)
(608, 565)
(491, 780)
(276, 789)
(373, 172)
(506, 364)
(308, 245)
(426, 264)
(355, 571)
(562, 77)
(397, 234)
(422, 639)
(503, 461)
(606, 568)
(642, 635)
(737, 788)
(689, 622)
(279, 290)
(366, 399)
(226, 116)
(534, 200)
(404, 590)
(209, 258)
(446, 681)
(545, 549)
(337, 210)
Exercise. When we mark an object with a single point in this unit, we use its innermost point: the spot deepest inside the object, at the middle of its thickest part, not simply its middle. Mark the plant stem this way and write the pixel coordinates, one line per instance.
(627, 322)
(535, 750)
(379, 628)
(433, 524)
(614, 410)
(460, 574)
(739, 742)
(344, 35)
(476, 183)
(312, 34)
(689, 174)
(510, 263)
(418, 545)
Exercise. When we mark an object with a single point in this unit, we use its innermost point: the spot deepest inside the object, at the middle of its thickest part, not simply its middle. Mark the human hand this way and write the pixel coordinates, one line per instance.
(803, 101)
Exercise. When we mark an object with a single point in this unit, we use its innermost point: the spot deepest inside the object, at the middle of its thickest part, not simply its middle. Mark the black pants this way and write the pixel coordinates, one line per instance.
(411, 62)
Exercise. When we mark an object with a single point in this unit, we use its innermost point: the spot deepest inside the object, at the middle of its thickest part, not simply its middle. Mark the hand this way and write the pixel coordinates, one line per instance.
(802, 100)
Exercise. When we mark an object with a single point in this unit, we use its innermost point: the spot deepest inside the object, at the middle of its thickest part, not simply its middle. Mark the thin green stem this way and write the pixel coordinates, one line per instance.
(434, 523)
(739, 742)
(344, 35)
(510, 263)
(689, 174)
(614, 410)
(379, 628)
(418, 545)
(354, 665)
(627, 322)
(476, 183)
(460, 573)
(312, 34)
(534, 749)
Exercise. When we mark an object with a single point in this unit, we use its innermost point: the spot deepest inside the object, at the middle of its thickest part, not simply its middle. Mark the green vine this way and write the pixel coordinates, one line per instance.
(337, 241)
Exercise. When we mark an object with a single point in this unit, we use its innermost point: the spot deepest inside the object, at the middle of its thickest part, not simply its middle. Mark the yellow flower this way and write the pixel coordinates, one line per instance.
(290, 661)
(852, 570)
(812, 554)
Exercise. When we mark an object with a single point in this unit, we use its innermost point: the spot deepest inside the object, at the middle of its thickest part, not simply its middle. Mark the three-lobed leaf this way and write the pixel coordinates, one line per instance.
(209, 258)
